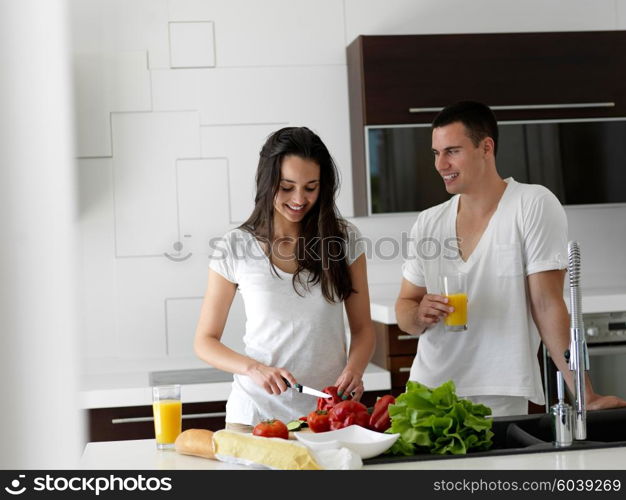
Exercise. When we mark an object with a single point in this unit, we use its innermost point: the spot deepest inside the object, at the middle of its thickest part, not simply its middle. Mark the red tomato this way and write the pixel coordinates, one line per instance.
(318, 421)
(271, 428)
(328, 403)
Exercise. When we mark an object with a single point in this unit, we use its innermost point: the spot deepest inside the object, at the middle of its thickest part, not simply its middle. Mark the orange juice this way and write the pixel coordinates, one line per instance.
(167, 420)
(459, 316)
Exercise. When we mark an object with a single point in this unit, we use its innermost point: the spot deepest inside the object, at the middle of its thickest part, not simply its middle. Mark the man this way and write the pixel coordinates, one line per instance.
(510, 239)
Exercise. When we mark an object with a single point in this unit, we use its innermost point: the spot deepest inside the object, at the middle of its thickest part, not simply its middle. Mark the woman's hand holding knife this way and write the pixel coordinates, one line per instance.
(271, 378)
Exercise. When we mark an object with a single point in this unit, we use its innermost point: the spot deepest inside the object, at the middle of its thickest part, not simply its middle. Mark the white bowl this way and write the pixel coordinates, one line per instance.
(365, 443)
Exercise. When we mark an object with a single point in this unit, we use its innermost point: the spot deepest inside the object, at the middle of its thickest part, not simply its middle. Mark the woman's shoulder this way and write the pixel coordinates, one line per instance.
(355, 242)
(237, 234)
(351, 230)
(236, 241)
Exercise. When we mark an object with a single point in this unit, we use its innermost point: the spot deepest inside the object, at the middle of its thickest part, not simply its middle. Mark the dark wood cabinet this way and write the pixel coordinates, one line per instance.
(395, 351)
(369, 398)
(136, 422)
(398, 80)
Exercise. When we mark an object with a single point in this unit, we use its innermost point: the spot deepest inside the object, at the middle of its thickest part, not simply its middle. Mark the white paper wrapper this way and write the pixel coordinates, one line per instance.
(338, 459)
(275, 453)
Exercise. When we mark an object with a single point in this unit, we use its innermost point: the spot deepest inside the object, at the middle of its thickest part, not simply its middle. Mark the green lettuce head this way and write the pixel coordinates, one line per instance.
(437, 421)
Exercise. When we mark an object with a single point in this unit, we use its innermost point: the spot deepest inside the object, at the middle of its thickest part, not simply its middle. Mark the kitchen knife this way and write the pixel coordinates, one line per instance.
(306, 390)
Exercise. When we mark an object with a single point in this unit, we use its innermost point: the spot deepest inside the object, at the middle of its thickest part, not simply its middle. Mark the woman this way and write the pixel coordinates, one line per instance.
(296, 263)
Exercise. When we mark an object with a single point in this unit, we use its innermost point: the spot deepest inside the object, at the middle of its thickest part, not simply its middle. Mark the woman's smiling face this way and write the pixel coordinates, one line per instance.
(299, 188)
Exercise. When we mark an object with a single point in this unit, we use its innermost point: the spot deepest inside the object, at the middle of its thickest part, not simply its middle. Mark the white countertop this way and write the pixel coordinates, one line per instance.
(143, 455)
(594, 300)
(126, 383)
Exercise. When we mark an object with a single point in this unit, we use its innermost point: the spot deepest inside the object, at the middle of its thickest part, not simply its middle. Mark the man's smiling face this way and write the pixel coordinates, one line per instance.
(457, 160)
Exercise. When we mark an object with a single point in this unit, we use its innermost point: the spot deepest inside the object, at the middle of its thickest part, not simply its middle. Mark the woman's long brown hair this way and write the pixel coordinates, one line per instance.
(322, 247)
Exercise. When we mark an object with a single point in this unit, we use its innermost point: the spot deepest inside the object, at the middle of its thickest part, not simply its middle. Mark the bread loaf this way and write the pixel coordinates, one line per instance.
(275, 453)
(197, 442)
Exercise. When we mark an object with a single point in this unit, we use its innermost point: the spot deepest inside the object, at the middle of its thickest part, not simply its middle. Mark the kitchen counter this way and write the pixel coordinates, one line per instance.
(143, 455)
(594, 300)
(127, 383)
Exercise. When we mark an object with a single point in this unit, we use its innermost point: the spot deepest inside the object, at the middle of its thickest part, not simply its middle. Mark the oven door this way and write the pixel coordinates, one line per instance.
(607, 370)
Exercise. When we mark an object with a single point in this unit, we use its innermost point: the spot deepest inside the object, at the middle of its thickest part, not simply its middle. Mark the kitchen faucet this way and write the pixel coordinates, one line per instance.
(577, 355)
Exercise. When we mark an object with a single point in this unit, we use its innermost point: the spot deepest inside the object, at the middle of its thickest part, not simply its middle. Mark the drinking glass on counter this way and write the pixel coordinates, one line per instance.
(168, 415)
(454, 287)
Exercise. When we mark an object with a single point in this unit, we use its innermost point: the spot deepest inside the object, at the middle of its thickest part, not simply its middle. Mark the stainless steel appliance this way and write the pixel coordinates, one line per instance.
(606, 342)
(605, 334)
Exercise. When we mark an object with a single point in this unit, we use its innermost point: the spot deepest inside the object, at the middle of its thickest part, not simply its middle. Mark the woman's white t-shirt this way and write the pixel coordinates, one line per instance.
(303, 333)
(497, 355)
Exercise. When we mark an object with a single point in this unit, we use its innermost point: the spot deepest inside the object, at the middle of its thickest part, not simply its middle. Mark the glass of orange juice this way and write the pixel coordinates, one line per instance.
(454, 287)
(168, 415)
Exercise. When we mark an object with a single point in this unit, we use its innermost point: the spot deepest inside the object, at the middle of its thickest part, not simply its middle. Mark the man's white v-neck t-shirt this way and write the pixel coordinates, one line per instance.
(497, 354)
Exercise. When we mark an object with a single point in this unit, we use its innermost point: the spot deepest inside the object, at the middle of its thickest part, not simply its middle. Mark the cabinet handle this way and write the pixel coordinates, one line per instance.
(408, 337)
(205, 415)
(521, 107)
(151, 419)
(404, 369)
(604, 350)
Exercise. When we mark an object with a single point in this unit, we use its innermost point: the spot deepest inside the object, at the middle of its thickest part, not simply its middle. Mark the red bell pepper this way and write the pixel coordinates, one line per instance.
(347, 413)
(379, 420)
(325, 404)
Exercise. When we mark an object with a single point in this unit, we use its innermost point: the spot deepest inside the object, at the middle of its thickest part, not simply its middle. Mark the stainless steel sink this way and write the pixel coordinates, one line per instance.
(184, 377)
(533, 434)
(603, 427)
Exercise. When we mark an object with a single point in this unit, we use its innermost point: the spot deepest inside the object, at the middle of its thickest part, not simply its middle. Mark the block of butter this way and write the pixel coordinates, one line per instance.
(275, 453)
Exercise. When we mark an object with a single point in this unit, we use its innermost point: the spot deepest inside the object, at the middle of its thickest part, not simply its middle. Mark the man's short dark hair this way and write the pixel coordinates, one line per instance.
(479, 120)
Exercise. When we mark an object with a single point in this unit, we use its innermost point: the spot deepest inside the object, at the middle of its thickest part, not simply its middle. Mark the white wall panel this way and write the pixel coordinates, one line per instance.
(127, 81)
(97, 284)
(254, 95)
(620, 17)
(241, 145)
(145, 149)
(192, 44)
(121, 26)
(106, 82)
(372, 17)
(385, 239)
(182, 319)
(601, 233)
(270, 32)
(91, 107)
(203, 203)
(316, 97)
(143, 285)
